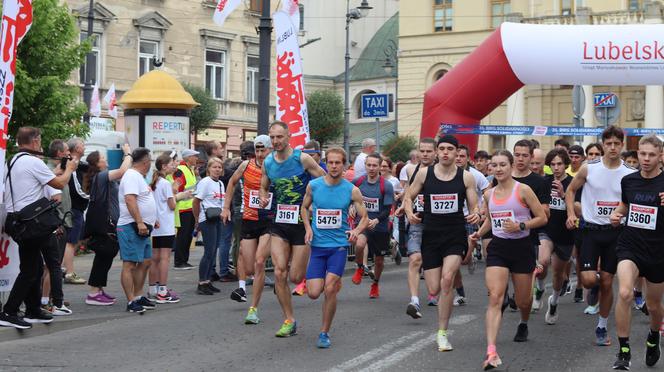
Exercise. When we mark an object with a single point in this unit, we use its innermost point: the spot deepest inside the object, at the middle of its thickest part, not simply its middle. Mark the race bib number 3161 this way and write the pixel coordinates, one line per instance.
(287, 213)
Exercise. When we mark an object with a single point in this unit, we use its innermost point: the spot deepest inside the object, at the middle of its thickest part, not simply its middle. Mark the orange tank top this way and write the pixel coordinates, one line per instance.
(252, 184)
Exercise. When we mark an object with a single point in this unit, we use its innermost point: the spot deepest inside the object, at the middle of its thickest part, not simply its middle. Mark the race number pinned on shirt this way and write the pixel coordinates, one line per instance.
(255, 200)
(642, 217)
(605, 208)
(498, 219)
(556, 202)
(371, 204)
(328, 218)
(444, 203)
(287, 213)
(419, 203)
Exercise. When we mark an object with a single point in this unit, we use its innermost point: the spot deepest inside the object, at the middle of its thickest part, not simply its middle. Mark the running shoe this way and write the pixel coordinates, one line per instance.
(7, 320)
(239, 295)
(371, 273)
(638, 302)
(443, 342)
(568, 290)
(289, 328)
(147, 304)
(73, 278)
(459, 300)
(374, 292)
(578, 295)
(563, 289)
(323, 341)
(652, 352)
(602, 337)
(397, 256)
(537, 300)
(167, 298)
(593, 296)
(492, 361)
(521, 333)
(300, 289)
(98, 300)
(551, 316)
(152, 297)
(215, 277)
(413, 310)
(433, 300)
(472, 265)
(110, 297)
(135, 307)
(357, 277)
(183, 267)
(61, 310)
(269, 282)
(591, 310)
(623, 361)
(252, 316)
(644, 309)
(367, 270)
(203, 289)
(42, 316)
(512, 304)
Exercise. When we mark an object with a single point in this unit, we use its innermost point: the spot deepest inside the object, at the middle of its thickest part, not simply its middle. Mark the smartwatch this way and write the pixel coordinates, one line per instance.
(522, 226)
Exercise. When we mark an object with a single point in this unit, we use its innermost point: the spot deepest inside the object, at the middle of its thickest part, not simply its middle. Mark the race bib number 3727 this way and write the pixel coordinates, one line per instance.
(444, 203)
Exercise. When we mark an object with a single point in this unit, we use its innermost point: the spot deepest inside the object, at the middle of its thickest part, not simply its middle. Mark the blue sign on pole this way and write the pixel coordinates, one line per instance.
(605, 100)
(375, 106)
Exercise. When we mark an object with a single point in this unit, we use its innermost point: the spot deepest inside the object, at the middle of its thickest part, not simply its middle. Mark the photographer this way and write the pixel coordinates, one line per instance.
(28, 177)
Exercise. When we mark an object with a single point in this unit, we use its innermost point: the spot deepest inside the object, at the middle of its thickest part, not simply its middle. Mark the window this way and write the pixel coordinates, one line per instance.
(252, 79)
(442, 15)
(438, 75)
(635, 5)
(215, 73)
(256, 5)
(566, 7)
(301, 7)
(96, 57)
(496, 143)
(249, 135)
(499, 9)
(148, 51)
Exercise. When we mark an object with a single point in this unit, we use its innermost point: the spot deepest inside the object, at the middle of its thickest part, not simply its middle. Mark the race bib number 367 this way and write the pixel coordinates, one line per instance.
(255, 200)
(605, 208)
(328, 218)
(444, 203)
(642, 217)
(287, 213)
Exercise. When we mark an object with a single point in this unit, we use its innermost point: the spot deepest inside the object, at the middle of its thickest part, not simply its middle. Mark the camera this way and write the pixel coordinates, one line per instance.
(63, 161)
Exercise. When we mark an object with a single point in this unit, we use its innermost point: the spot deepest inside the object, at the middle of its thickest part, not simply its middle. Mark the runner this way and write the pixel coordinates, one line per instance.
(378, 196)
(445, 188)
(427, 148)
(514, 210)
(601, 196)
(289, 170)
(639, 248)
(558, 250)
(329, 235)
(255, 234)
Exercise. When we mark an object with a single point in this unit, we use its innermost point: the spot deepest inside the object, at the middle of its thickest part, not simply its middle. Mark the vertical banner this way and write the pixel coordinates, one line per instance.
(223, 10)
(291, 102)
(292, 8)
(95, 102)
(111, 101)
(16, 21)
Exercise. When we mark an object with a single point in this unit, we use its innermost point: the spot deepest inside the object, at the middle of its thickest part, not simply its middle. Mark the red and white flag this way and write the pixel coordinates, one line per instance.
(109, 99)
(224, 9)
(292, 8)
(95, 102)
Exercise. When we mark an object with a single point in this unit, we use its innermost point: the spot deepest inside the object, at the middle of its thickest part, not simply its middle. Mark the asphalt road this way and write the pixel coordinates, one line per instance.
(206, 333)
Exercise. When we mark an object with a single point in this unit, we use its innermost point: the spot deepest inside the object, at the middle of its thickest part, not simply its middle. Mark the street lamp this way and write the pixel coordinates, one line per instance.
(392, 64)
(355, 13)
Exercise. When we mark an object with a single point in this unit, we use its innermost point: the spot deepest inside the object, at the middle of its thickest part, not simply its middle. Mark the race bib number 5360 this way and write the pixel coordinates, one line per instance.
(642, 217)
(287, 213)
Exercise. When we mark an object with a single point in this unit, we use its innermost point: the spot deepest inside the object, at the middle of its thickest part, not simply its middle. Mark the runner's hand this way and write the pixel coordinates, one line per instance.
(510, 226)
(263, 201)
(399, 211)
(352, 235)
(661, 197)
(372, 224)
(413, 218)
(558, 187)
(615, 218)
(475, 236)
(308, 235)
(571, 222)
(225, 215)
(473, 218)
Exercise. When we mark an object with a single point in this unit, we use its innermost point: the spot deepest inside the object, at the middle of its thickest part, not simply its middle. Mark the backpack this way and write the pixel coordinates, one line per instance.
(381, 182)
(98, 219)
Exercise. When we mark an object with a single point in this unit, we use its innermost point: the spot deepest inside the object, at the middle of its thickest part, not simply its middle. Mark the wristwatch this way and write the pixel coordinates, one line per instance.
(522, 226)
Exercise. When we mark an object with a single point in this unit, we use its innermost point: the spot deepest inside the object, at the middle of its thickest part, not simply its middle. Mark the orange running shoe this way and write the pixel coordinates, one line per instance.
(300, 289)
(357, 277)
(374, 292)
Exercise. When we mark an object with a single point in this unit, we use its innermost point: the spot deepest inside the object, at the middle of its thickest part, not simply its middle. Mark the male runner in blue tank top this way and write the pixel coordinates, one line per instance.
(289, 171)
(329, 234)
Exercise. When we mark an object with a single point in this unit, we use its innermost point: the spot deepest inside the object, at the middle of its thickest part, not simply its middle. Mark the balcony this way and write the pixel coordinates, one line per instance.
(586, 16)
(239, 111)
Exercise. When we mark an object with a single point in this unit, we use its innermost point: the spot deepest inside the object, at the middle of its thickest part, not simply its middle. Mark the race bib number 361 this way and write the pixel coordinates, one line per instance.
(605, 208)
(444, 203)
(328, 218)
(255, 200)
(419, 203)
(642, 217)
(498, 219)
(556, 202)
(287, 213)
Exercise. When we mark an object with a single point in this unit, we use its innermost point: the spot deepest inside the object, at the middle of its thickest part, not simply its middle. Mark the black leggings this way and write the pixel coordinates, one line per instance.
(52, 254)
(105, 248)
(183, 238)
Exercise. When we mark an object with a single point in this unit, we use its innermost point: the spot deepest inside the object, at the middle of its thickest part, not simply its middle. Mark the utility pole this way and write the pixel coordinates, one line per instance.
(265, 54)
(90, 65)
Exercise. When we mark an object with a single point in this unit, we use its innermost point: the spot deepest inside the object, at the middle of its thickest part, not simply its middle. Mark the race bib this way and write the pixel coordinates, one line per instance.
(604, 208)
(498, 219)
(328, 218)
(255, 200)
(419, 203)
(444, 203)
(556, 202)
(371, 204)
(287, 213)
(642, 217)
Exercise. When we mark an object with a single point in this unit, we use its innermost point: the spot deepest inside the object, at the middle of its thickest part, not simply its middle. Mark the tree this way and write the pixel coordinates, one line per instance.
(47, 56)
(204, 115)
(326, 115)
(397, 148)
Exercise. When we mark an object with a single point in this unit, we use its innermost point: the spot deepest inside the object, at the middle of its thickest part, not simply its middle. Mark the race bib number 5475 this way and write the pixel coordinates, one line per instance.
(328, 218)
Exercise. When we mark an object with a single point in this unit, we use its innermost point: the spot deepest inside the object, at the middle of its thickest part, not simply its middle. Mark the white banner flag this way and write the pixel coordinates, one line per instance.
(224, 9)
(292, 8)
(95, 102)
(291, 102)
(110, 100)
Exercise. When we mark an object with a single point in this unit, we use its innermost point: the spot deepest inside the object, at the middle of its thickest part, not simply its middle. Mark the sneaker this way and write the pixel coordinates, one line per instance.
(521, 333)
(374, 292)
(564, 288)
(135, 307)
(638, 303)
(433, 300)
(652, 353)
(300, 289)
(357, 277)
(182, 267)
(371, 274)
(228, 278)
(252, 316)
(472, 265)
(623, 361)
(287, 329)
(537, 300)
(269, 282)
(397, 256)
(213, 288)
(492, 361)
(569, 288)
(152, 297)
(214, 277)
(512, 304)
(203, 289)
(98, 300)
(578, 295)
(47, 307)
(443, 342)
(61, 311)
(167, 298)
(367, 271)
(40, 317)
(459, 300)
(593, 296)
(147, 304)
(239, 295)
(602, 337)
(323, 341)
(591, 310)
(7, 320)
(413, 310)
(551, 316)
(110, 297)
(73, 278)
(644, 309)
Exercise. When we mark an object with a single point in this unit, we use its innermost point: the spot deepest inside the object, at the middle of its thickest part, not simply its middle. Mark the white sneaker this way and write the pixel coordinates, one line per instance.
(537, 304)
(443, 342)
(592, 310)
(550, 318)
(61, 311)
(459, 300)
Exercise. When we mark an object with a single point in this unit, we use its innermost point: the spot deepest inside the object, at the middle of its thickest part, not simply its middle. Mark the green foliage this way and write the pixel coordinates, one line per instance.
(47, 56)
(397, 148)
(326, 115)
(204, 115)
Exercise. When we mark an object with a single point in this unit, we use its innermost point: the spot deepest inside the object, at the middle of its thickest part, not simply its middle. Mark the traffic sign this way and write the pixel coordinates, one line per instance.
(578, 100)
(375, 106)
(607, 108)
(605, 99)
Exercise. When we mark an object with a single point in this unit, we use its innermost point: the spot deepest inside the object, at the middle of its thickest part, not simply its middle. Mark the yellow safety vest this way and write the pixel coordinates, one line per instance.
(169, 178)
(190, 184)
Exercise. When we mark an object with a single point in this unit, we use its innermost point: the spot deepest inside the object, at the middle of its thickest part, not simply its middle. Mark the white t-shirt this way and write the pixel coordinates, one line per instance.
(403, 175)
(481, 183)
(29, 176)
(358, 167)
(211, 194)
(396, 185)
(133, 183)
(165, 215)
(50, 192)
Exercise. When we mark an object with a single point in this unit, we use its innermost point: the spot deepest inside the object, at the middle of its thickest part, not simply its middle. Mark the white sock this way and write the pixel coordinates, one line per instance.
(163, 290)
(44, 300)
(415, 300)
(243, 284)
(602, 322)
(540, 284)
(554, 298)
(136, 298)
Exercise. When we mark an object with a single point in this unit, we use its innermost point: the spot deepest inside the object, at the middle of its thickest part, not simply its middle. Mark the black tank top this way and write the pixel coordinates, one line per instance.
(443, 200)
